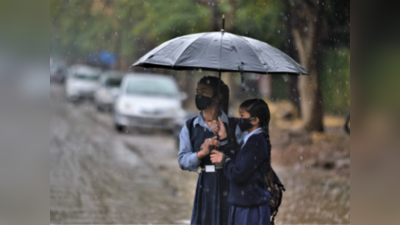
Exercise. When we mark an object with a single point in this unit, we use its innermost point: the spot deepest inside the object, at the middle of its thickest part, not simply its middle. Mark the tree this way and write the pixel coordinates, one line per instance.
(306, 30)
(316, 25)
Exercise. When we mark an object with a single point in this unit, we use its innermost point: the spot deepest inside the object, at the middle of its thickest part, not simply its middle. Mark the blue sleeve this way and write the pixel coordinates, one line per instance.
(227, 148)
(241, 169)
(187, 157)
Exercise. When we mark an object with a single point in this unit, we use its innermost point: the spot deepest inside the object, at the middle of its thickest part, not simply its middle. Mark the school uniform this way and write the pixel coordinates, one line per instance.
(210, 205)
(248, 197)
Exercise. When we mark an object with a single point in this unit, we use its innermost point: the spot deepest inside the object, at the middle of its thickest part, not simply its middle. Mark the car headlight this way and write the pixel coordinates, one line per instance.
(104, 95)
(72, 88)
(124, 107)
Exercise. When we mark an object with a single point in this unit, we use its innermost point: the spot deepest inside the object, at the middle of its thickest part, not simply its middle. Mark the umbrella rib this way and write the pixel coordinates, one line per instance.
(201, 56)
(173, 64)
(284, 55)
(204, 34)
(240, 56)
(258, 56)
(293, 62)
(165, 44)
(220, 51)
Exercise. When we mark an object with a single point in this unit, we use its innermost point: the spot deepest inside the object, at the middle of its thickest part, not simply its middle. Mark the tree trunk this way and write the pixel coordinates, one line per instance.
(215, 16)
(306, 31)
(290, 48)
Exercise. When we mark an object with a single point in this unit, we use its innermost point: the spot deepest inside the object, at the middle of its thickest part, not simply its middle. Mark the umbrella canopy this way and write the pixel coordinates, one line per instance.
(222, 52)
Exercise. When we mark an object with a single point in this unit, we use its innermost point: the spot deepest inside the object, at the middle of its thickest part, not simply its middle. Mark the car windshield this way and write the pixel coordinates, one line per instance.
(112, 82)
(86, 76)
(152, 87)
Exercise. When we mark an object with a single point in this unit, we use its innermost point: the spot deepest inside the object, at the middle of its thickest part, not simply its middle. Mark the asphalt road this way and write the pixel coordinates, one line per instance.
(96, 178)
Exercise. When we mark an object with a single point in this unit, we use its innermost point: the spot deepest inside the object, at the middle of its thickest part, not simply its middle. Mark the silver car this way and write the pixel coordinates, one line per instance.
(148, 100)
(108, 90)
(82, 82)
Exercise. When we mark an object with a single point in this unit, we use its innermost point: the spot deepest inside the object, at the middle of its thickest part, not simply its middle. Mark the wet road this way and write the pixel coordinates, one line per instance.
(100, 177)
(95, 178)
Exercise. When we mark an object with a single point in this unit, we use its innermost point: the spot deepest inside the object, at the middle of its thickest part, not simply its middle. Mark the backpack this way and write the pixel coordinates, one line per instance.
(276, 189)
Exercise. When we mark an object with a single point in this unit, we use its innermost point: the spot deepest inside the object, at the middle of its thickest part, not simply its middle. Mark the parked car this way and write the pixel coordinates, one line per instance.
(148, 100)
(58, 71)
(108, 90)
(82, 82)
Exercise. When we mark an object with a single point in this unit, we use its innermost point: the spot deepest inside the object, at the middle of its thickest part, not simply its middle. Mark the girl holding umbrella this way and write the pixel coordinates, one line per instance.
(211, 199)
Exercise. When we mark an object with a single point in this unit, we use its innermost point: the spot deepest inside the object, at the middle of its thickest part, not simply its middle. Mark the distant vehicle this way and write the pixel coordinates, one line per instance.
(148, 100)
(108, 90)
(58, 71)
(82, 82)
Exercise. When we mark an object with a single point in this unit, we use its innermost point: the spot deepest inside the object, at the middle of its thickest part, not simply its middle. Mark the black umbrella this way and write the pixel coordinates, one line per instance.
(223, 52)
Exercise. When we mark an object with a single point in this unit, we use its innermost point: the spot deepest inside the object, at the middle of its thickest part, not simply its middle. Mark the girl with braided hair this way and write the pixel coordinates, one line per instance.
(246, 166)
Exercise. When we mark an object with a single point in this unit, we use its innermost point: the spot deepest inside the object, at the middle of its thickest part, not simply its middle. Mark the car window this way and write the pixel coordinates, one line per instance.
(152, 87)
(112, 82)
(86, 76)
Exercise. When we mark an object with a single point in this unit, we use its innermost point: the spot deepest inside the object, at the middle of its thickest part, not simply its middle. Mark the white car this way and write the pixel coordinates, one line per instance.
(148, 100)
(108, 90)
(82, 82)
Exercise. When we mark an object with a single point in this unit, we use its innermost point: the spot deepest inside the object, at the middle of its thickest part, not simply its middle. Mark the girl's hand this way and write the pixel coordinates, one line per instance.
(222, 130)
(210, 142)
(216, 156)
(206, 147)
(215, 124)
(204, 151)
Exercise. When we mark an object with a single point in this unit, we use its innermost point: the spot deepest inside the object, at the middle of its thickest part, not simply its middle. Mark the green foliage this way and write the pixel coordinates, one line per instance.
(262, 20)
(335, 81)
(182, 18)
(130, 28)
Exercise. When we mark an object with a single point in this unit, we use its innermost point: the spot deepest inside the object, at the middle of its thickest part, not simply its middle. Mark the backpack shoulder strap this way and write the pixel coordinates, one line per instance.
(189, 125)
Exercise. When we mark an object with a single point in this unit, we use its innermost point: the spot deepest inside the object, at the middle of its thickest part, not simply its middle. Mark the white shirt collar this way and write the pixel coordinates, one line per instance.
(199, 120)
(256, 131)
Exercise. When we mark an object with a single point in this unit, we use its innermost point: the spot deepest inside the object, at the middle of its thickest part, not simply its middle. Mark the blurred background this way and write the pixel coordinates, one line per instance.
(114, 130)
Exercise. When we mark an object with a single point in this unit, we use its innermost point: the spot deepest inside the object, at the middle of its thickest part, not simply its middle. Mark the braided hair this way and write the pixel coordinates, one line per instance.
(213, 82)
(259, 108)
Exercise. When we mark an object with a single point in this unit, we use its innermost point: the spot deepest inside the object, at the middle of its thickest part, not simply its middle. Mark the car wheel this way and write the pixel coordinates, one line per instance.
(99, 108)
(119, 128)
(72, 99)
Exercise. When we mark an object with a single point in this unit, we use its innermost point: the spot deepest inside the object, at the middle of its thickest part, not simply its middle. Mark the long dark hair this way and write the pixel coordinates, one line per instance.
(224, 90)
(259, 108)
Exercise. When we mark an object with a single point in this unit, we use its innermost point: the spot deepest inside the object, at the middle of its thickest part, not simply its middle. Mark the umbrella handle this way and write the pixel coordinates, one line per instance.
(223, 22)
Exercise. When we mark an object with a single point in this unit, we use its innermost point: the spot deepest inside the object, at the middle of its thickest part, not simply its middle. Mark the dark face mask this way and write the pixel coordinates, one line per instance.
(203, 102)
(245, 124)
